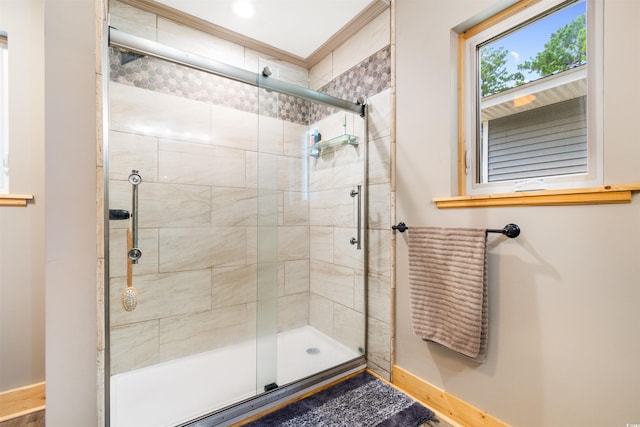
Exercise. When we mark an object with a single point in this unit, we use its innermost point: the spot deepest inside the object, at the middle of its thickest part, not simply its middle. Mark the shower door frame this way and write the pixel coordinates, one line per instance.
(118, 39)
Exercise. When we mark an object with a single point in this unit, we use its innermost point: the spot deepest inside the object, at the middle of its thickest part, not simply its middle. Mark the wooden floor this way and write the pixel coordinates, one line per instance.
(34, 419)
(23, 406)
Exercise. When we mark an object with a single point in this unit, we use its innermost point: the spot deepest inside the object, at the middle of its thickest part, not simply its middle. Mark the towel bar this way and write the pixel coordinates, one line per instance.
(509, 230)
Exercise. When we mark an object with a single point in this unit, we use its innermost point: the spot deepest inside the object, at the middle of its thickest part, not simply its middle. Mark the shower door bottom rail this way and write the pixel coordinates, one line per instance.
(255, 405)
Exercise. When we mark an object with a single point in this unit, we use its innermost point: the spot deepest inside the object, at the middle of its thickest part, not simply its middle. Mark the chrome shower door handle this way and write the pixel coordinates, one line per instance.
(357, 240)
(134, 253)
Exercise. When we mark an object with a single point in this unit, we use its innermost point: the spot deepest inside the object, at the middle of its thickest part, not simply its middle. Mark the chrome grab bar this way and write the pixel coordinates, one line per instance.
(134, 253)
(357, 240)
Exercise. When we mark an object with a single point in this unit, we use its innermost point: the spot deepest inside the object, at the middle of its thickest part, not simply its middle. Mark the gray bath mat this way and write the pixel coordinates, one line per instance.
(361, 401)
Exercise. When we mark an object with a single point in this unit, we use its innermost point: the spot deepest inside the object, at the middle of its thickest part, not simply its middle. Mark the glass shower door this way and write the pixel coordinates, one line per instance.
(310, 299)
(337, 197)
(193, 142)
(246, 207)
(268, 164)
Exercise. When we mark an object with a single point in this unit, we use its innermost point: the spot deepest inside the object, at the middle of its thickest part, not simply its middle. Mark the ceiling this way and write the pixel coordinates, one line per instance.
(298, 27)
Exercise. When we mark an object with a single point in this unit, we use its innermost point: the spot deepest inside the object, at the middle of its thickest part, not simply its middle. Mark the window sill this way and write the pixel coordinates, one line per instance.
(15, 199)
(579, 196)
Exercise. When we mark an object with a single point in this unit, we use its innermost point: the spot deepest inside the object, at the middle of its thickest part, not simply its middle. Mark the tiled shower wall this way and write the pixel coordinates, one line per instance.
(208, 287)
(198, 217)
(361, 66)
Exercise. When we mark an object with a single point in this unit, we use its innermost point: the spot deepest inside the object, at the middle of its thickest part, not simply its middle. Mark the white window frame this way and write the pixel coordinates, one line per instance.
(469, 114)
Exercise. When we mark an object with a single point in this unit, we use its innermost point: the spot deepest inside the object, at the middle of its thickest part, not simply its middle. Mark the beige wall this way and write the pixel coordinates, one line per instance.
(71, 127)
(67, 262)
(22, 228)
(564, 336)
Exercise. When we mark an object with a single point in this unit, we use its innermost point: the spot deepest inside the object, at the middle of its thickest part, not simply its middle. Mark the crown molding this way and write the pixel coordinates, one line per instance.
(351, 28)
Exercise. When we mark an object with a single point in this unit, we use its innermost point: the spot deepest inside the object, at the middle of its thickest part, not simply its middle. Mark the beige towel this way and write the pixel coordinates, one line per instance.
(448, 287)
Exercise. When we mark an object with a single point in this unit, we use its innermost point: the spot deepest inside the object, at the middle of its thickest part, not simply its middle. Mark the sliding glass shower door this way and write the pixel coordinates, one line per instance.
(311, 199)
(235, 263)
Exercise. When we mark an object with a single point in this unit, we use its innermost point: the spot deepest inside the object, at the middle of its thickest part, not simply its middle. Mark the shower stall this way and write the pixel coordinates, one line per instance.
(237, 265)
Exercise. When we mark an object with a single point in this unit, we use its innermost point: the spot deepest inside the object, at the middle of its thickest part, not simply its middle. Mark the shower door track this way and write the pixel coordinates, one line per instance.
(143, 46)
(257, 405)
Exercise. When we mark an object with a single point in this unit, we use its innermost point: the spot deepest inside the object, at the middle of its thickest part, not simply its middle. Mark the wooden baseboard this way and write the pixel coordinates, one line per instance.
(440, 401)
(22, 401)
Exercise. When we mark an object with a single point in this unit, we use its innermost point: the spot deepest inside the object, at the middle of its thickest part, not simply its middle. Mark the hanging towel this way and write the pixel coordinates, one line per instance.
(448, 287)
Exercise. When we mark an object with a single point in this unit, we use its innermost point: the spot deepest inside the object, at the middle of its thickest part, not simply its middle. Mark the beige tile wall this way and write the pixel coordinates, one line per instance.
(200, 187)
(373, 37)
(198, 222)
(325, 314)
(337, 268)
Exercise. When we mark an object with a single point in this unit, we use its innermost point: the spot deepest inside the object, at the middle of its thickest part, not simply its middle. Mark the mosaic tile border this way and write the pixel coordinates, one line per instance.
(369, 77)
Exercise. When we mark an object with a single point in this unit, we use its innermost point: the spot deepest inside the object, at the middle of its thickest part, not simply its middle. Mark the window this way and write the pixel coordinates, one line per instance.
(529, 114)
(4, 133)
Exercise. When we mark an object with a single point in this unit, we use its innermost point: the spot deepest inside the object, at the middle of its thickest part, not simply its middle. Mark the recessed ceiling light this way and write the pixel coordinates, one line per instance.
(243, 9)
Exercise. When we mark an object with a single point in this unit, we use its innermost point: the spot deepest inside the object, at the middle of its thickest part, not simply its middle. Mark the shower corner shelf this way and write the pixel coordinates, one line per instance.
(316, 149)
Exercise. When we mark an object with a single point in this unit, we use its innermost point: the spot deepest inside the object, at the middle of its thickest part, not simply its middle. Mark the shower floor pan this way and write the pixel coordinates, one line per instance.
(177, 391)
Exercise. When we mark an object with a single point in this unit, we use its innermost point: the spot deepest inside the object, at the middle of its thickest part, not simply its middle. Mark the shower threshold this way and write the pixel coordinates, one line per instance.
(175, 392)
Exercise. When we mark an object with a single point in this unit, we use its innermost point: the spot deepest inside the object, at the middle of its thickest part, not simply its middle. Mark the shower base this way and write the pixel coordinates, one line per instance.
(177, 391)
